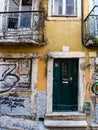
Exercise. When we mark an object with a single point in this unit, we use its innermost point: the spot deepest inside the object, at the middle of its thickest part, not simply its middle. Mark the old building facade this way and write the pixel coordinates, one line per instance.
(49, 64)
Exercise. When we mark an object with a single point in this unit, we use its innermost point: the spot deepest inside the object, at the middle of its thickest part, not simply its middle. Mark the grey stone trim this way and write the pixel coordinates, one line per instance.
(41, 105)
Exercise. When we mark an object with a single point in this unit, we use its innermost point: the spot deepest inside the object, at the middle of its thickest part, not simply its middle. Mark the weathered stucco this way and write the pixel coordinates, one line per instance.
(10, 105)
(41, 105)
(18, 97)
(58, 32)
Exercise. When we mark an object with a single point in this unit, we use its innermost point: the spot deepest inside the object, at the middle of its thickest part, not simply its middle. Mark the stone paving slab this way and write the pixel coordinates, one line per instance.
(11, 123)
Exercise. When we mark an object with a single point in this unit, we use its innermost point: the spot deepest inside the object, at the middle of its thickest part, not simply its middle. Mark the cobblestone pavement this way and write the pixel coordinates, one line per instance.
(10, 123)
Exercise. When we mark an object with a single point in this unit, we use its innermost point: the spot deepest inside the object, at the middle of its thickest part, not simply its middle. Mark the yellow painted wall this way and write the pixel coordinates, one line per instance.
(86, 8)
(57, 34)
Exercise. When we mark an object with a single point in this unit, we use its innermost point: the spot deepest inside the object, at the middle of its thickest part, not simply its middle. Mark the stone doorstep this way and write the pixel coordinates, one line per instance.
(65, 123)
(66, 116)
(94, 126)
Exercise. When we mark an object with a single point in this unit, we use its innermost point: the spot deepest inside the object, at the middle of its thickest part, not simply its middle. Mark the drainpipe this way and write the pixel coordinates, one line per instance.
(82, 19)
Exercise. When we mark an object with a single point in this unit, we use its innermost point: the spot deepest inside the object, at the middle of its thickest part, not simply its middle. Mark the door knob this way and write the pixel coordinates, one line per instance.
(70, 78)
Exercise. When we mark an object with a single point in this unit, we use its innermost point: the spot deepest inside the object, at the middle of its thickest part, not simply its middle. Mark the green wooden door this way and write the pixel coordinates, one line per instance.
(65, 85)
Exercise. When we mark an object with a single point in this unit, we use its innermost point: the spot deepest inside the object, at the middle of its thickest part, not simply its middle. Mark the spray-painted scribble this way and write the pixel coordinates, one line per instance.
(14, 74)
(15, 94)
(12, 105)
(7, 78)
(12, 102)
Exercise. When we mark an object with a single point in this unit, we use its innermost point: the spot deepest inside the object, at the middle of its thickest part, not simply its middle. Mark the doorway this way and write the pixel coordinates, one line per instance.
(65, 85)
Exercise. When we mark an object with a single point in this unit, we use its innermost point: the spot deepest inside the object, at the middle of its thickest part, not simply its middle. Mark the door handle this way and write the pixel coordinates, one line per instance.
(70, 78)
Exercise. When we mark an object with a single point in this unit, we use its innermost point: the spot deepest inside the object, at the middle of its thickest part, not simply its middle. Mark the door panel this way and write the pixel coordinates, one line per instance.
(65, 85)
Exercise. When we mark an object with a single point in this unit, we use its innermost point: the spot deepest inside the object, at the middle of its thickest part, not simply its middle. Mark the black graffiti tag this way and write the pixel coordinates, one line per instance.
(13, 102)
(7, 78)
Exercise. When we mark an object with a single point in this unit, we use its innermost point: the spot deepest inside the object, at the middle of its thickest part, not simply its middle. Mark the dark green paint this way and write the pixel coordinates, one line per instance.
(65, 85)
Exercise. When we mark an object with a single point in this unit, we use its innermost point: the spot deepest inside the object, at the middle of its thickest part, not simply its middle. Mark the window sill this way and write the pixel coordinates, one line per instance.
(64, 18)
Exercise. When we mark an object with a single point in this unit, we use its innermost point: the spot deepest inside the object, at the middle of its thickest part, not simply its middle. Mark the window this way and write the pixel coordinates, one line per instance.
(26, 17)
(96, 9)
(64, 7)
(65, 71)
(27, 2)
(94, 19)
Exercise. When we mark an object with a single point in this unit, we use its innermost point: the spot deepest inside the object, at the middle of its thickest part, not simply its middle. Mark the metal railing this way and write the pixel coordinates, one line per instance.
(22, 26)
(90, 28)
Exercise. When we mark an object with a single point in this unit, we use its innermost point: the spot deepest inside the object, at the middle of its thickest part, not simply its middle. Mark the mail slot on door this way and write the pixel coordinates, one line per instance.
(65, 82)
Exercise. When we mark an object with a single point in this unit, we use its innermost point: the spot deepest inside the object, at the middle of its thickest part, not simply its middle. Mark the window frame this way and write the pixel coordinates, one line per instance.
(64, 17)
(64, 7)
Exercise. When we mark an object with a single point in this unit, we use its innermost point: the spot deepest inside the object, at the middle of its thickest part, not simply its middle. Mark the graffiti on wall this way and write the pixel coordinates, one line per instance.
(14, 74)
(13, 101)
(13, 104)
(8, 79)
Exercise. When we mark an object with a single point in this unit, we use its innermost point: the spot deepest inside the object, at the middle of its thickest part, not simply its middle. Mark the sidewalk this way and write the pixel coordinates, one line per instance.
(12, 123)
